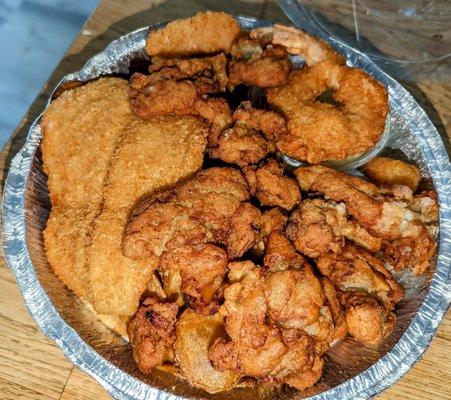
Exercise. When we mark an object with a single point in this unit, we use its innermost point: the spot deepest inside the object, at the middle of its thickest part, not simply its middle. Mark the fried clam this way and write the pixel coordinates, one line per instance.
(317, 226)
(367, 291)
(333, 111)
(407, 225)
(268, 183)
(194, 336)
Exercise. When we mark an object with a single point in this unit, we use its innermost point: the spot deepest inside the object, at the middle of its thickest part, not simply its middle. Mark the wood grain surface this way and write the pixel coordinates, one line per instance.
(31, 366)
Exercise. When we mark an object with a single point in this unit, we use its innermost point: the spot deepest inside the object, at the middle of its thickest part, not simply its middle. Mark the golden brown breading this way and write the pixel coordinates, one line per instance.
(333, 303)
(322, 131)
(240, 145)
(407, 239)
(211, 207)
(389, 172)
(271, 187)
(81, 129)
(152, 155)
(318, 226)
(152, 333)
(271, 124)
(202, 268)
(280, 253)
(205, 33)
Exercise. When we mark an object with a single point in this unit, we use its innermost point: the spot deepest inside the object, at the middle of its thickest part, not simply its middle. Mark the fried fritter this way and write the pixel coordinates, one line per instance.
(318, 226)
(205, 33)
(280, 253)
(368, 292)
(152, 332)
(211, 207)
(271, 187)
(152, 155)
(389, 172)
(390, 219)
(81, 129)
(202, 268)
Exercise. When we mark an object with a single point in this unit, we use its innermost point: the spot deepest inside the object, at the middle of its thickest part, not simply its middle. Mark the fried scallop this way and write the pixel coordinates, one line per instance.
(81, 129)
(205, 33)
(153, 154)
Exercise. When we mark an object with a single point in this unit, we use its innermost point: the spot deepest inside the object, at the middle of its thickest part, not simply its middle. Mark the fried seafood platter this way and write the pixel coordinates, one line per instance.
(175, 220)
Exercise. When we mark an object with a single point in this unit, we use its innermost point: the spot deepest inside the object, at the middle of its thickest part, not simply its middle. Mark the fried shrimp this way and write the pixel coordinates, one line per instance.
(321, 131)
(298, 42)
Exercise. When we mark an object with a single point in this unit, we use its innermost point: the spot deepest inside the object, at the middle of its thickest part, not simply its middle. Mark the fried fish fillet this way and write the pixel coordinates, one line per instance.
(205, 33)
(81, 129)
(153, 154)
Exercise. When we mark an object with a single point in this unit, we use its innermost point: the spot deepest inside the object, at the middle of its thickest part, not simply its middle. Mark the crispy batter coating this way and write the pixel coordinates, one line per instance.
(322, 131)
(81, 129)
(202, 268)
(152, 155)
(257, 63)
(294, 297)
(368, 292)
(217, 112)
(389, 172)
(406, 237)
(333, 303)
(280, 253)
(240, 145)
(205, 33)
(210, 207)
(209, 74)
(271, 124)
(256, 348)
(152, 332)
(271, 187)
(296, 41)
(272, 220)
(318, 226)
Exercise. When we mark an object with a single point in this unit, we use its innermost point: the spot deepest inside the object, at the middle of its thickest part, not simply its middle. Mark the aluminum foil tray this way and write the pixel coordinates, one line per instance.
(352, 371)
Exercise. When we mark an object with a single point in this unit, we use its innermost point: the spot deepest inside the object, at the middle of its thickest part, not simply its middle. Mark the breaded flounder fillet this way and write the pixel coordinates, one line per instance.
(81, 129)
(207, 32)
(153, 154)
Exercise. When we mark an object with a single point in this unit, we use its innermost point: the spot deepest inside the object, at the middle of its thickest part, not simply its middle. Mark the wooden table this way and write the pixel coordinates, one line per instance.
(32, 367)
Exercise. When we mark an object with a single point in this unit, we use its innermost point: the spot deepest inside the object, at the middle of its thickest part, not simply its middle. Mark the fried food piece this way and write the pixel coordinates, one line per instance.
(333, 303)
(280, 253)
(152, 155)
(271, 124)
(240, 145)
(389, 172)
(257, 63)
(368, 292)
(205, 33)
(194, 335)
(217, 112)
(209, 73)
(322, 131)
(76, 153)
(162, 97)
(298, 42)
(272, 220)
(389, 219)
(294, 297)
(271, 187)
(367, 320)
(318, 226)
(202, 268)
(211, 207)
(152, 333)
(256, 348)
